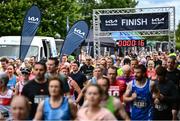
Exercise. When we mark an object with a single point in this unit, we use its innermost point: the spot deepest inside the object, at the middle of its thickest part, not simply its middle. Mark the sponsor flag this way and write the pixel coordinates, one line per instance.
(31, 22)
(75, 37)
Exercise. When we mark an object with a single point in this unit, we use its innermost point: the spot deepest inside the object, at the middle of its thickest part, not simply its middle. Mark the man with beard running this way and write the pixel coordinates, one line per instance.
(37, 89)
(139, 93)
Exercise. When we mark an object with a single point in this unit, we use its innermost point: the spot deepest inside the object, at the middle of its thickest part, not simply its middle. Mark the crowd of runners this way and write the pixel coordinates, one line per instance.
(133, 87)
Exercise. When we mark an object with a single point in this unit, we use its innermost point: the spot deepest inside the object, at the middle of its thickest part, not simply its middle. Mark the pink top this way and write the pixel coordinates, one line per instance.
(151, 74)
(102, 115)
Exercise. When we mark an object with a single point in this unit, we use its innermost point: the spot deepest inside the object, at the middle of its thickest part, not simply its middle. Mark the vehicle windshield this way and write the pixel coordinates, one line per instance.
(12, 51)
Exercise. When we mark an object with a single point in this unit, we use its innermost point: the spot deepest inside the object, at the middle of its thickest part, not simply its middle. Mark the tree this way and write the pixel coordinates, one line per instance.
(117, 4)
(178, 33)
(54, 14)
(89, 5)
(12, 13)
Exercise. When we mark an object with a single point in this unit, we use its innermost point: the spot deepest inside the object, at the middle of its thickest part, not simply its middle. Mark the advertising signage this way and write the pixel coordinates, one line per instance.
(131, 43)
(140, 21)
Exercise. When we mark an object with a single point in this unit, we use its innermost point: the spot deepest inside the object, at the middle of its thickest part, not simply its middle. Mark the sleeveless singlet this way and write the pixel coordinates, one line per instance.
(110, 105)
(12, 82)
(5, 100)
(60, 113)
(142, 106)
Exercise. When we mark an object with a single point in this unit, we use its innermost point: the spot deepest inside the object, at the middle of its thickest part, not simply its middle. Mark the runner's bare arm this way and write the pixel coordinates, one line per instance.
(121, 109)
(82, 92)
(128, 97)
(16, 89)
(39, 112)
(73, 108)
(76, 87)
(154, 89)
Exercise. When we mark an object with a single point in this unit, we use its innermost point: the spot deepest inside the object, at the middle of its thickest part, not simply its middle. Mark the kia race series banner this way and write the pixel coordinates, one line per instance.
(140, 21)
(76, 35)
(31, 22)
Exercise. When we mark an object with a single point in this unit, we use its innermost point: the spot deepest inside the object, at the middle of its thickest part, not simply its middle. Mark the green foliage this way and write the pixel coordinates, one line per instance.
(178, 33)
(54, 14)
(118, 4)
(12, 13)
(178, 46)
(89, 5)
(157, 38)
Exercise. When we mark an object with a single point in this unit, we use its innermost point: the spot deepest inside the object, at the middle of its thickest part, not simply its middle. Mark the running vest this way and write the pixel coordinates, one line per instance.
(5, 100)
(12, 82)
(142, 105)
(60, 113)
(110, 105)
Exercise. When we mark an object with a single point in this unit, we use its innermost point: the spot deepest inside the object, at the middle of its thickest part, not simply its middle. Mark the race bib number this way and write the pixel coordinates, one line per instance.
(39, 98)
(161, 107)
(114, 91)
(140, 104)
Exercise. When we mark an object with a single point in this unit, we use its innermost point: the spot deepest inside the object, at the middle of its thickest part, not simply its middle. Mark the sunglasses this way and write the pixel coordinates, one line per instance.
(24, 73)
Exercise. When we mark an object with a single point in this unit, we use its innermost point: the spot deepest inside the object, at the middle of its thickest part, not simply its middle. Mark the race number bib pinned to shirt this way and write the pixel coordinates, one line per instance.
(161, 107)
(140, 103)
(114, 91)
(39, 98)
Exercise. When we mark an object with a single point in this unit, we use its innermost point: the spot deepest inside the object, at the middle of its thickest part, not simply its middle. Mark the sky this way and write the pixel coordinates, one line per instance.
(162, 3)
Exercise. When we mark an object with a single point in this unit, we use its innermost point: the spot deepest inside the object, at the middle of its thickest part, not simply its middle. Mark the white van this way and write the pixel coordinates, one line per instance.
(59, 44)
(41, 47)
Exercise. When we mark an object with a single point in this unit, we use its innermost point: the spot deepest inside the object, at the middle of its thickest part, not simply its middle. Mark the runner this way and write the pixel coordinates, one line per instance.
(73, 86)
(94, 111)
(37, 89)
(6, 94)
(23, 79)
(165, 101)
(111, 103)
(139, 93)
(12, 77)
(20, 108)
(55, 107)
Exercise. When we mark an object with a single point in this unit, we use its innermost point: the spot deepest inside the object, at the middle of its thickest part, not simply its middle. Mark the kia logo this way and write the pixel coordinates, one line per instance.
(111, 21)
(79, 32)
(33, 19)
